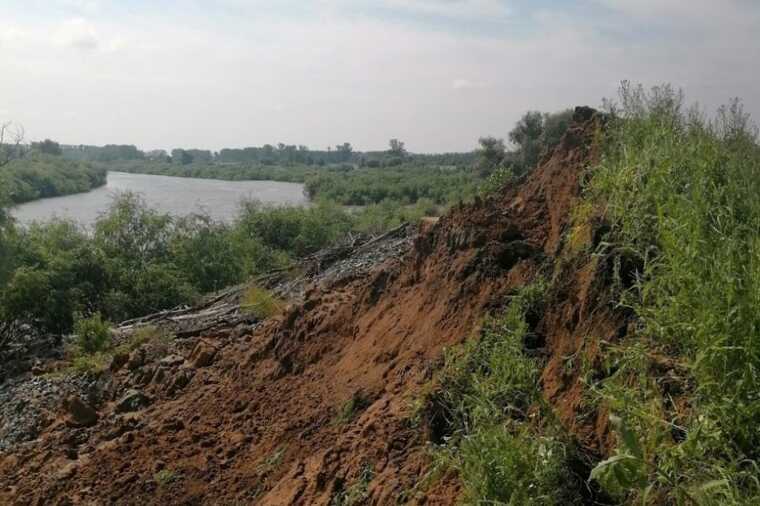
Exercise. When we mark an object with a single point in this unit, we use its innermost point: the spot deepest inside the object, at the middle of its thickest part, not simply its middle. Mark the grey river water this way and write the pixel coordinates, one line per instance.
(178, 196)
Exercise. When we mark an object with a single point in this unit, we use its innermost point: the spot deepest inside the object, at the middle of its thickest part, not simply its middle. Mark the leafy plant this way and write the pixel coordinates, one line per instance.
(93, 334)
(680, 192)
(260, 303)
(487, 398)
(351, 408)
(165, 477)
(357, 492)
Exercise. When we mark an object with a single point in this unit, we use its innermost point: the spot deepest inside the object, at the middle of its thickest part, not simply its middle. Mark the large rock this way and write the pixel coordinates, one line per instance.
(80, 413)
(136, 359)
(133, 400)
(118, 361)
(203, 355)
(172, 360)
(180, 381)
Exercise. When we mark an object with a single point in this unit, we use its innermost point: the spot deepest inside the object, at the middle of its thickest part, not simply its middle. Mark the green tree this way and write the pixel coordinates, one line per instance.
(204, 251)
(344, 151)
(181, 156)
(397, 148)
(490, 155)
(535, 134)
(6, 234)
(48, 147)
(132, 231)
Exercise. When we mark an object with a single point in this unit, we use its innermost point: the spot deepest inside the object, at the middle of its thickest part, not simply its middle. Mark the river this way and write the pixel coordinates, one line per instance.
(177, 196)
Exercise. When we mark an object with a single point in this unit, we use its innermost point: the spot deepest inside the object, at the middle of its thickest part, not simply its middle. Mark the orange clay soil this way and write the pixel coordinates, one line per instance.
(267, 421)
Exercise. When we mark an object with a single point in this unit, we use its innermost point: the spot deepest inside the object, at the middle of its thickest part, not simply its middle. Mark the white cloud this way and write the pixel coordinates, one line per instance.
(77, 33)
(453, 8)
(212, 77)
(86, 6)
(466, 84)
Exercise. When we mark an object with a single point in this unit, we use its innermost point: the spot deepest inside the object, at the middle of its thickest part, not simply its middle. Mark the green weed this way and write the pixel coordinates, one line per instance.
(681, 195)
(260, 302)
(165, 477)
(93, 334)
(488, 400)
(351, 408)
(357, 492)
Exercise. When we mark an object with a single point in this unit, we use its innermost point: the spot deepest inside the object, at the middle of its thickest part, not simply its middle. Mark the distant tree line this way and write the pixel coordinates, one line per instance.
(107, 153)
(535, 134)
(34, 171)
(268, 154)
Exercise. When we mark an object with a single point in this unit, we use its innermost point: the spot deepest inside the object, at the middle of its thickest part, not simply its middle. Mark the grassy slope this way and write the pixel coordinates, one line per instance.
(679, 195)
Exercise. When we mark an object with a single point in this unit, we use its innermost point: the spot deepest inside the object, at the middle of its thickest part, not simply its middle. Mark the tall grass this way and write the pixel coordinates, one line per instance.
(683, 194)
(489, 396)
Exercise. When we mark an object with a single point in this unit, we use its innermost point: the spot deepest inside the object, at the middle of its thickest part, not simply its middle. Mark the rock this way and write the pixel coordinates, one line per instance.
(118, 361)
(68, 471)
(133, 400)
(172, 360)
(173, 425)
(180, 381)
(159, 376)
(80, 413)
(203, 355)
(136, 359)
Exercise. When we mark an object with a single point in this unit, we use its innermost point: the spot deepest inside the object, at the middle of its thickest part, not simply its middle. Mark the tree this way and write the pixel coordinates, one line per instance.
(490, 155)
(200, 155)
(48, 147)
(181, 156)
(11, 137)
(133, 231)
(555, 126)
(397, 148)
(344, 151)
(535, 134)
(158, 155)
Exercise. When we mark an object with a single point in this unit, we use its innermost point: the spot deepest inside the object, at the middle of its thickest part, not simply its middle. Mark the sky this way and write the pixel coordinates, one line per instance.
(436, 74)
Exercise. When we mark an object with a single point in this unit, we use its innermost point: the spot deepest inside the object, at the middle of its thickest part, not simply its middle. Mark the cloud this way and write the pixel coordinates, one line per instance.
(466, 84)
(249, 72)
(452, 8)
(86, 6)
(77, 33)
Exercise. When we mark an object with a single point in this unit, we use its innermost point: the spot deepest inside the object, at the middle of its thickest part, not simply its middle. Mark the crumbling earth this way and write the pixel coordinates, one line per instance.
(311, 403)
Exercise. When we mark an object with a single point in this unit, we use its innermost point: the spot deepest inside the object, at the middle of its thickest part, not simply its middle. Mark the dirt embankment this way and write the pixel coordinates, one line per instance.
(318, 400)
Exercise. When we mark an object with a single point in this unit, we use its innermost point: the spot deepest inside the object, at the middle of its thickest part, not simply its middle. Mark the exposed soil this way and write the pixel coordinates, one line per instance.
(318, 400)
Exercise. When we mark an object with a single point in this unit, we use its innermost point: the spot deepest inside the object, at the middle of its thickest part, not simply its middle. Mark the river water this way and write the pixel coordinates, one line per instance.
(178, 196)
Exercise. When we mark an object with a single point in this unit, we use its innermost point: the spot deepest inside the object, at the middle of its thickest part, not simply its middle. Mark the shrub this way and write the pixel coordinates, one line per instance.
(487, 389)
(93, 334)
(165, 477)
(260, 303)
(357, 492)
(351, 408)
(681, 194)
(94, 363)
(146, 334)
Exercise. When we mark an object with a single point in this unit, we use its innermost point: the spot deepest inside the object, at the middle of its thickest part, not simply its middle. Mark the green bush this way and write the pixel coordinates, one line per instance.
(93, 334)
(260, 303)
(486, 391)
(681, 193)
(40, 176)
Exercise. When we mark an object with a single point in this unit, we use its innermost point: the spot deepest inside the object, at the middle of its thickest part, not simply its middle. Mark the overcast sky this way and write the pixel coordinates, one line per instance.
(435, 73)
